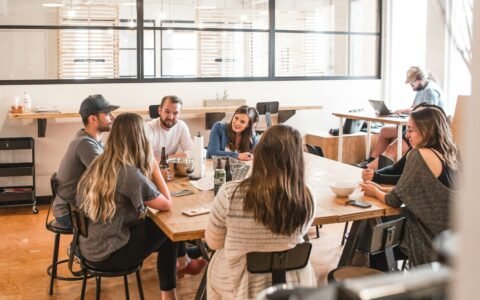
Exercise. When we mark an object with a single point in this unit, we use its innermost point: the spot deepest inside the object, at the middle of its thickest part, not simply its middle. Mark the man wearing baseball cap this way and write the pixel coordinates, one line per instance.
(427, 91)
(97, 118)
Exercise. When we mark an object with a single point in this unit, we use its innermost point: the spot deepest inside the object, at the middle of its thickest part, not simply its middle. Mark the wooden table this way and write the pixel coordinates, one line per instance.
(320, 172)
(210, 113)
(398, 121)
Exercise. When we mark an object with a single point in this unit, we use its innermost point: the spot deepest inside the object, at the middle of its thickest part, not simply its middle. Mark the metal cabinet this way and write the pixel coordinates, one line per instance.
(18, 195)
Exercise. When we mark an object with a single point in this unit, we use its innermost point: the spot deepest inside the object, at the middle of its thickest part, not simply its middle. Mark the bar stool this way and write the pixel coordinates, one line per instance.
(54, 227)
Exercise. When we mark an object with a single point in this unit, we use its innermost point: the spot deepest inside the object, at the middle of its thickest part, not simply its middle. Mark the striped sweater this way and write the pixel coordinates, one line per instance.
(235, 233)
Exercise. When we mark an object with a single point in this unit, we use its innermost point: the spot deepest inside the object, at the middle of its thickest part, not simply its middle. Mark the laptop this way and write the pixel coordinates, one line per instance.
(380, 107)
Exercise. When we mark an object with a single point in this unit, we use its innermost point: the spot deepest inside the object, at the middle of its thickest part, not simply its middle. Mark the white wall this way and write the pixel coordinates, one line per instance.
(332, 95)
(467, 221)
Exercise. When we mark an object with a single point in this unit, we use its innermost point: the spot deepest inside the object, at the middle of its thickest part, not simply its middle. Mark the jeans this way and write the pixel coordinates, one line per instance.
(146, 238)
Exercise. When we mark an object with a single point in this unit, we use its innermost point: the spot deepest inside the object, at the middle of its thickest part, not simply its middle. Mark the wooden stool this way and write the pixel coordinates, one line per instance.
(342, 273)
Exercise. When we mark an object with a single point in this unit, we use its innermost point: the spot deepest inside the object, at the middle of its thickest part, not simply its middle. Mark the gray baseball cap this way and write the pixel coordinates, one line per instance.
(94, 104)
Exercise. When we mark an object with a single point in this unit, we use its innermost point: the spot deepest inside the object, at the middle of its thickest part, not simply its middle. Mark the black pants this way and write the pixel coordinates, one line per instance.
(146, 238)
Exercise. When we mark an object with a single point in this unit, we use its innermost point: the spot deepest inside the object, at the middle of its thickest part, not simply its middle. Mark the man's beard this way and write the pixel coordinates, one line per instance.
(170, 123)
(420, 87)
(105, 128)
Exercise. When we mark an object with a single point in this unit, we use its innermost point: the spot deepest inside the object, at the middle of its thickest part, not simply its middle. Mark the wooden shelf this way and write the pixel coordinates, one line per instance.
(212, 114)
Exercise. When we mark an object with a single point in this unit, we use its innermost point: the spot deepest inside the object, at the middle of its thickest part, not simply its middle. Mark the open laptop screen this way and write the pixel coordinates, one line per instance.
(380, 107)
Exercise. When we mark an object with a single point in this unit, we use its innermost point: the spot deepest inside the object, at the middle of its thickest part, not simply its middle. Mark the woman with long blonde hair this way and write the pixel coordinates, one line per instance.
(269, 211)
(114, 192)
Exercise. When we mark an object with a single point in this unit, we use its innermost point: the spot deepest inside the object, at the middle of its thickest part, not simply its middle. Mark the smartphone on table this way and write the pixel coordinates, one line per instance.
(358, 203)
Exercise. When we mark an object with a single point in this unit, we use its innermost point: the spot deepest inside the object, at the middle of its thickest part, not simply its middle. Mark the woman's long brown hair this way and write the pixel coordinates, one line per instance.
(246, 140)
(276, 192)
(435, 130)
(127, 145)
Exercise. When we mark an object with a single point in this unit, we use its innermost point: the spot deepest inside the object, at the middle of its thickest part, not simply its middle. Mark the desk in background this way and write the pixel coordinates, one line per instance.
(211, 114)
(399, 122)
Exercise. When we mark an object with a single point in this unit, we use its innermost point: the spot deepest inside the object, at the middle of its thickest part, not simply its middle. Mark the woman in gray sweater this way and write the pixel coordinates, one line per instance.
(426, 186)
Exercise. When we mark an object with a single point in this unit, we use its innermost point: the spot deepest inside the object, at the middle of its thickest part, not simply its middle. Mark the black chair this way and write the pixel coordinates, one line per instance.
(58, 230)
(80, 227)
(278, 263)
(379, 240)
(267, 109)
(315, 150)
(153, 111)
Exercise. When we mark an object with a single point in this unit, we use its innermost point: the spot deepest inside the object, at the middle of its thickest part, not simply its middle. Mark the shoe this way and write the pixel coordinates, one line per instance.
(193, 252)
(363, 164)
(195, 267)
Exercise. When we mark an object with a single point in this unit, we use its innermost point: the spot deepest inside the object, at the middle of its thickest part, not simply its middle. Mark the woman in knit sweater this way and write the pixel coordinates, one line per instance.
(426, 186)
(269, 211)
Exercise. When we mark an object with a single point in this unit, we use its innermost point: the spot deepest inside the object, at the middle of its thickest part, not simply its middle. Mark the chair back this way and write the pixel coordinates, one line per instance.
(278, 263)
(315, 150)
(268, 108)
(153, 111)
(80, 227)
(53, 187)
(382, 238)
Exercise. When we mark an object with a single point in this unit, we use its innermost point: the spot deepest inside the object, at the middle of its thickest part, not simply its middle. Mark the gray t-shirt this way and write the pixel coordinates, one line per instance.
(431, 94)
(103, 239)
(80, 153)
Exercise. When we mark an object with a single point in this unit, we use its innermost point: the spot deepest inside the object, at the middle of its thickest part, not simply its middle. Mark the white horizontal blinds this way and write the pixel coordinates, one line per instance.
(88, 53)
(230, 54)
(310, 54)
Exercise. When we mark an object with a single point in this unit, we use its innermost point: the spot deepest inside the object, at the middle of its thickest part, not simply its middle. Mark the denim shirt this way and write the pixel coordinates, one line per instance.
(219, 140)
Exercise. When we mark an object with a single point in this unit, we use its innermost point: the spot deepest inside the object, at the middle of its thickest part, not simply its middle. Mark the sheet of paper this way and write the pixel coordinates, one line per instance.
(203, 184)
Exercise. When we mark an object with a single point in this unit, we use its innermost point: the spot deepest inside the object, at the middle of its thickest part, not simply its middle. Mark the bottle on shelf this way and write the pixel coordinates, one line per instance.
(218, 177)
(164, 168)
(27, 102)
(228, 170)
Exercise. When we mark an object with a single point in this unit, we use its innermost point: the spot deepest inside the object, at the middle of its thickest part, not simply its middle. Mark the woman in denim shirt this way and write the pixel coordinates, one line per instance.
(237, 138)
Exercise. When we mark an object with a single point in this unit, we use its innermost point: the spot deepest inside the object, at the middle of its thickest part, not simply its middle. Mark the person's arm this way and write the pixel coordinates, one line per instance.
(87, 150)
(165, 200)
(390, 174)
(216, 227)
(404, 110)
(214, 143)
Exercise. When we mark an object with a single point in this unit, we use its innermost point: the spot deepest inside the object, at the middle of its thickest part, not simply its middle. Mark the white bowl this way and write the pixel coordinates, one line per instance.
(343, 188)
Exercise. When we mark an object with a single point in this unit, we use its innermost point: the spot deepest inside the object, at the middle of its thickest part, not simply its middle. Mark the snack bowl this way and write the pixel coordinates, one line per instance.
(343, 188)
(181, 166)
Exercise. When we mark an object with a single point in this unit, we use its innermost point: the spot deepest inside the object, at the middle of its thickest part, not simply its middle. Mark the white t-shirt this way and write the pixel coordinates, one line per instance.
(178, 135)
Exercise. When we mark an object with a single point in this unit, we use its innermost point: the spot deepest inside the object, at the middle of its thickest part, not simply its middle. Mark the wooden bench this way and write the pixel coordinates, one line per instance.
(353, 145)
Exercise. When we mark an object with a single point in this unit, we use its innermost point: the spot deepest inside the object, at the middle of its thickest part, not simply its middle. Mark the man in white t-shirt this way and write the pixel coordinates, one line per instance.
(167, 131)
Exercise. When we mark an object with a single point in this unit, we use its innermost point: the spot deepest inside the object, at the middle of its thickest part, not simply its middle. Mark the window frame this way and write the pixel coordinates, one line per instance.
(272, 31)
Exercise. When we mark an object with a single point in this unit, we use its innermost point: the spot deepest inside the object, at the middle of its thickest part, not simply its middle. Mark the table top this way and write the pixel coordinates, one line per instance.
(320, 172)
(373, 118)
(144, 111)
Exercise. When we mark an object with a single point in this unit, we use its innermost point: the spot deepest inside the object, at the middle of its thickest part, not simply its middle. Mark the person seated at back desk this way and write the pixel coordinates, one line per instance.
(427, 184)
(427, 91)
(237, 138)
(167, 130)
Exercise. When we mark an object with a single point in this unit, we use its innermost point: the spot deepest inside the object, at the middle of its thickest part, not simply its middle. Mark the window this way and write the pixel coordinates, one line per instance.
(189, 39)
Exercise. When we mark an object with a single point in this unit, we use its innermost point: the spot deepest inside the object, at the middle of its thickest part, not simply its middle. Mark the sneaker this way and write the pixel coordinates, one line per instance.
(194, 267)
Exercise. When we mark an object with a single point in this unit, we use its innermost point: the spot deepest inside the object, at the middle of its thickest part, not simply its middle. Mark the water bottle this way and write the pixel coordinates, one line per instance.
(27, 102)
(219, 176)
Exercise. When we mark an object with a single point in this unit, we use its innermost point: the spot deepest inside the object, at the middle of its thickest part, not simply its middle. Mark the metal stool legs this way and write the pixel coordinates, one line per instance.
(53, 267)
(344, 235)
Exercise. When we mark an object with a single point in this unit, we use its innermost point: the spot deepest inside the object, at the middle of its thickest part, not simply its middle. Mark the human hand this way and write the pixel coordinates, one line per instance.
(367, 175)
(370, 188)
(245, 156)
